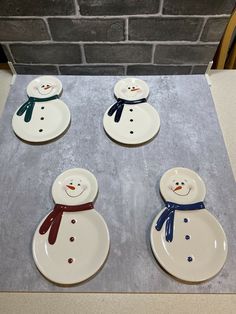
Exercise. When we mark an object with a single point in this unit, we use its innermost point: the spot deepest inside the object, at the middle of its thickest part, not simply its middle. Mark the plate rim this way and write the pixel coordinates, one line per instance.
(72, 170)
(185, 169)
(46, 76)
(132, 78)
(157, 128)
(86, 277)
(162, 264)
(67, 115)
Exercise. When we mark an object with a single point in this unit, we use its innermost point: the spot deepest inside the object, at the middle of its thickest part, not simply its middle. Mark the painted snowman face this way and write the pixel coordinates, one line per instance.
(182, 186)
(44, 89)
(131, 89)
(44, 86)
(74, 187)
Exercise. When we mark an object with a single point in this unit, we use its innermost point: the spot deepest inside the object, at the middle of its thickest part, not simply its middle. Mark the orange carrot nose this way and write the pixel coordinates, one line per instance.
(71, 187)
(178, 188)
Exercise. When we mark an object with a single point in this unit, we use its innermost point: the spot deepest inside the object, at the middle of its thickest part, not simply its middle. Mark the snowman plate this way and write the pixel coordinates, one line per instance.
(198, 251)
(182, 185)
(131, 120)
(186, 239)
(44, 116)
(136, 125)
(81, 245)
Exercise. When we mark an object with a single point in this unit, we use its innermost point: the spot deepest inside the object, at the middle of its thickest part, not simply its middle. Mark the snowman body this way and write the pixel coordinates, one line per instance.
(82, 241)
(49, 119)
(199, 247)
(139, 122)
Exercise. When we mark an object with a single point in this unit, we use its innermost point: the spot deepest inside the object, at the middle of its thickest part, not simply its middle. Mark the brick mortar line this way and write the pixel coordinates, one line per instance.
(77, 8)
(105, 17)
(161, 7)
(109, 64)
(127, 30)
(147, 43)
(83, 56)
(48, 28)
(203, 27)
(153, 53)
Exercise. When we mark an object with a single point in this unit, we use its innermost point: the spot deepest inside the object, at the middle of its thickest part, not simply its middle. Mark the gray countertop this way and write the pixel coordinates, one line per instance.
(128, 181)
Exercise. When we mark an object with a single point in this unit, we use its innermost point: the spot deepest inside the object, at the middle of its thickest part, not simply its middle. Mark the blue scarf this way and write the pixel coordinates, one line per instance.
(168, 215)
(119, 106)
(28, 106)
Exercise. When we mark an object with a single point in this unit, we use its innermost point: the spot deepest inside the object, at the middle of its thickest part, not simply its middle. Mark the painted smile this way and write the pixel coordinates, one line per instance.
(179, 188)
(76, 194)
(47, 89)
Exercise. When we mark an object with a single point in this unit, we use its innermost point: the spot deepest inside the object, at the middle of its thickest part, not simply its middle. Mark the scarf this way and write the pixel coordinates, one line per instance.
(28, 106)
(119, 106)
(168, 215)
(53, 220)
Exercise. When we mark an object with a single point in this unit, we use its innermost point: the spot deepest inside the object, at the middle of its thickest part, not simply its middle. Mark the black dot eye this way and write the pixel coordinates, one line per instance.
(71, 183)
(78, 184)
(133, 87)
(42, 85)
(176, 183)
(128, 87)
(182, 183)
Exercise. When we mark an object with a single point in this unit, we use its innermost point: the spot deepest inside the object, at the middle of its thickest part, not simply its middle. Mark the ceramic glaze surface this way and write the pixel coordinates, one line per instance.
(139, 122)
(182, 186)
(44, 86)
(50, 118)
(131, 89)
(199, 247)
(82, 242)
(74, 187)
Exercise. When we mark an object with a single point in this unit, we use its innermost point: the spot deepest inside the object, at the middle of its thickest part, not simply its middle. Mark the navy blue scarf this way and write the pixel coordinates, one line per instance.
(119, 106)
(28, 106)
(168, 215)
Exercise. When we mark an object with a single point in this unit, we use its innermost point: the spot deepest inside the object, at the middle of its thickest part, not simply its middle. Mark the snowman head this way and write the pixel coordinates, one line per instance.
(131, 89)
(44, 86)
(182, 186)
(74, 187)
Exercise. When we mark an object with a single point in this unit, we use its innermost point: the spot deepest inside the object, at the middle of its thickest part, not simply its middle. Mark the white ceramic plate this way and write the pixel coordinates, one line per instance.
(44, 86)
(131, 89)
(138, 124)
(88, 251)
(199, 247)
(182, 186)
(82, 243)
(80, 179)
(49, 119)
(46, 124)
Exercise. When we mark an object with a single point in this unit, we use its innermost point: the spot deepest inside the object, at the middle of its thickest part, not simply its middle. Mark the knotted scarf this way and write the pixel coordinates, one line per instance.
(53, 220)
(119, 106)
(28, 106)
(168, 216)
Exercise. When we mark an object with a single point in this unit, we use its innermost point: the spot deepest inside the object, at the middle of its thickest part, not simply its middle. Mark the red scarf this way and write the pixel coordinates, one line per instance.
(53, 220)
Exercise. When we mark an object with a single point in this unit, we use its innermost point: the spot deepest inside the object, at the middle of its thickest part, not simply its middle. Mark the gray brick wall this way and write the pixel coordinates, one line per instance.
(112, 37)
